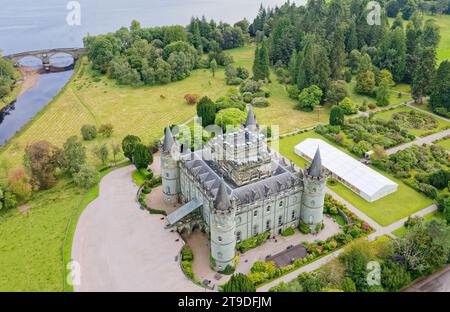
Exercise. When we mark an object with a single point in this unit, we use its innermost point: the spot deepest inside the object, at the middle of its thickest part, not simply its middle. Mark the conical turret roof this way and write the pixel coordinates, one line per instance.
(251, 119)
(168, 141)
(316, 166)
(222, 201)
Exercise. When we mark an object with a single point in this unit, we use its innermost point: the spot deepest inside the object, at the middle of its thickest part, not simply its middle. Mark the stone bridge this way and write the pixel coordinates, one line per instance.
(45, 55)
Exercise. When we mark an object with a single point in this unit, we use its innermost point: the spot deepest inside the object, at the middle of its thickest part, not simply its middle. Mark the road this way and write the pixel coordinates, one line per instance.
(122, 248)
(437, 282)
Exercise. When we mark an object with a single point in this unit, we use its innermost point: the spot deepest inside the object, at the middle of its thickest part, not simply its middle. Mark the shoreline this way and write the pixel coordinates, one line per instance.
(27, 79)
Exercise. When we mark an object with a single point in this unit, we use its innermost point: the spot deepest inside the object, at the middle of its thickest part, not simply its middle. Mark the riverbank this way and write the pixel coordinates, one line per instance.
(17, 90)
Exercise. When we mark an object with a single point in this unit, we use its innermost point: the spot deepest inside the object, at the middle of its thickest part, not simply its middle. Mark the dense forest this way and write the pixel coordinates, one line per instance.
(314, 49)
(160, 55)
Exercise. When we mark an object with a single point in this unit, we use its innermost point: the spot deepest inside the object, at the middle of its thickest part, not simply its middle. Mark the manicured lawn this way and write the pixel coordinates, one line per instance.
(394, 99)
(385, 211)
(443, 21)
(434, 215)
(445, 144)
(387, 115)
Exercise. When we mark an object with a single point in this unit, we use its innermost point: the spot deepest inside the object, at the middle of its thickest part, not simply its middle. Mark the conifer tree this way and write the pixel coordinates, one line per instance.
(424, 74)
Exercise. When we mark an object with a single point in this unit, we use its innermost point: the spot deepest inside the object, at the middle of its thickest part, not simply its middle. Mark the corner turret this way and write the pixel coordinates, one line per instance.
(170, 174)
(223, 227)
(314, 181)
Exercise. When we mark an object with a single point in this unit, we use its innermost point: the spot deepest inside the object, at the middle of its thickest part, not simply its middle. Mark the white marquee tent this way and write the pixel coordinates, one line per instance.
(360, 178)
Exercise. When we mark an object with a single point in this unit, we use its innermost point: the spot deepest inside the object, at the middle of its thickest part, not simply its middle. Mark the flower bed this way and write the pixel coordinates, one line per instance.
(253, 242)
(264, 272)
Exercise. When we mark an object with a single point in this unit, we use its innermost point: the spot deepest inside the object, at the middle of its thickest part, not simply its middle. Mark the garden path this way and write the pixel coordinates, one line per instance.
(420, 141)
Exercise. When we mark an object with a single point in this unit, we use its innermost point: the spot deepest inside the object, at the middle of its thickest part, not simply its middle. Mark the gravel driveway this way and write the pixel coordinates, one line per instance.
(122, 248)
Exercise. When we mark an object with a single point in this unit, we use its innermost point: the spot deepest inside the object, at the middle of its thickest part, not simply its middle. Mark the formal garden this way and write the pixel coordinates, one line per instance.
(362, 134)
(415, 122)
(352, 228)
(400, 265)
(424, 168)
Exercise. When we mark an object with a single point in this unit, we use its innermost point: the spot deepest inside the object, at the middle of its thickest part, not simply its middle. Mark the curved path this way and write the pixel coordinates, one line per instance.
(122, 248)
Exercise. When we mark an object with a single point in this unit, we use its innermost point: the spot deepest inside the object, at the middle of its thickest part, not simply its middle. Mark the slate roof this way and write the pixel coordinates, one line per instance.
(251, 120)
(281, 180)
(168, 140)
(316, 166)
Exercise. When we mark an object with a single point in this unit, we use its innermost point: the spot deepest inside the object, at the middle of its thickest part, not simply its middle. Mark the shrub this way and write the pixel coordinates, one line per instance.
(129, 144)
(293, 92)
(186, 254)
(7, 200)
(251, 86)
(186, 266)
(288, 232)
(88, 132)
(191, 99)
(106, 130)
(238, 283)
(206, 109)
(247, 97)
(87, 177)
(260, 102)
(142, 157)
(19, 184)
(230, 117)
(348, 285)
(394, 276)
(304, 228)
(337, 116)
(347, 106)
(252, 242)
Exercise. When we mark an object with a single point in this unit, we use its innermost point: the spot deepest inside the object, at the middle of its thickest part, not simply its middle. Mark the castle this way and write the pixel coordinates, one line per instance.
(236, 188)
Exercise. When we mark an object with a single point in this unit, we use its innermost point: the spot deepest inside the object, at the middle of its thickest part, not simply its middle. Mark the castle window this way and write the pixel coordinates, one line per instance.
(255, 213)
(220, 238)
(293, 215)
(268, 225)
(280, 220)
(255, 230)
(281, 204)
(268, 209)
(238, 236)
(167, 174)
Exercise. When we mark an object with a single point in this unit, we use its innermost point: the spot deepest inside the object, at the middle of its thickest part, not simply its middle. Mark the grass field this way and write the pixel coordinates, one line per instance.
(445, 144)
(443, 21)
(31, 244)
(393, 99)
(387, 115)
(385, 211)
(434, 215)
